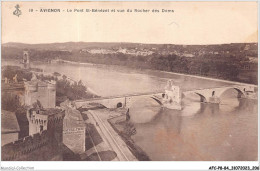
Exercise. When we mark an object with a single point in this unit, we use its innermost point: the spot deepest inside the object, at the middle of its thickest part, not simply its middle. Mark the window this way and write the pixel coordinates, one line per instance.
(41, 128)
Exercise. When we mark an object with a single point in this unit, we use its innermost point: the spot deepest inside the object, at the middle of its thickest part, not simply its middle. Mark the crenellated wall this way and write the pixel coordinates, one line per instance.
(41, 145)
(22, 148)
(46, 121)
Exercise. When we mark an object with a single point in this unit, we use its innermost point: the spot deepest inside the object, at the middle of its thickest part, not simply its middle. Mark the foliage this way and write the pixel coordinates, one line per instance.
(66, 88)
(226, 61)
(46, 77)
(73, 91)
(11, 71)
(129, 129)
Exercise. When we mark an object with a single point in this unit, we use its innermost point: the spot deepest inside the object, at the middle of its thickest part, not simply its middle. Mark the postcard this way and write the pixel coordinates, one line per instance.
(129, 81)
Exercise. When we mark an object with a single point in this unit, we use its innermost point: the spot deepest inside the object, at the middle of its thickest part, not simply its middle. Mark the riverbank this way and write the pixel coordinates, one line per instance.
(125, 130)
(155, 72)
(66, 87)
(39, 72)
(109, 135)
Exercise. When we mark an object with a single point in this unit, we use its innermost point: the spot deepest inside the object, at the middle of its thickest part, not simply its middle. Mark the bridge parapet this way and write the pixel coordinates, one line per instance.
(171, 97)
(212, 95)
(119, 101)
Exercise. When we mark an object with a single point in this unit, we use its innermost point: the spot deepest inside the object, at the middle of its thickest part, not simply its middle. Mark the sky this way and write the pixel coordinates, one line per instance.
(190, 23)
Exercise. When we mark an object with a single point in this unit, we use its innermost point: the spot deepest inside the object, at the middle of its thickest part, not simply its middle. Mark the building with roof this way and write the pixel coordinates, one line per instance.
(10, 128)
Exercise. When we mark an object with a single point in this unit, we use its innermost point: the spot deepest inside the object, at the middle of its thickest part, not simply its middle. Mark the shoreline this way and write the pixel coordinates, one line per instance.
(137, 151)
(167, 72)
(88, 89)
(143, 71)
(108, 133)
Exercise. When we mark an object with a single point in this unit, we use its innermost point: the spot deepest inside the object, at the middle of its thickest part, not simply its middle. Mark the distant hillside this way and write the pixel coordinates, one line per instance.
(66, 45)
(87, 45)
(235, 61)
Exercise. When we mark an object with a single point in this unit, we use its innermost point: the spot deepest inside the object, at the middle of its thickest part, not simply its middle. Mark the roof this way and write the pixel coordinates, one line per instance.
(9, 122)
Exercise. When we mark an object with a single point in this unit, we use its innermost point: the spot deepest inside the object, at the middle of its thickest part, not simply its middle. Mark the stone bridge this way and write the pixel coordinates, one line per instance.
(171, 98)
(212, 95)
(120, 101)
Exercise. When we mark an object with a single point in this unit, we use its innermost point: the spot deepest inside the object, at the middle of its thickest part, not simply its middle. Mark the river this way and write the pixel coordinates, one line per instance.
(204, 132)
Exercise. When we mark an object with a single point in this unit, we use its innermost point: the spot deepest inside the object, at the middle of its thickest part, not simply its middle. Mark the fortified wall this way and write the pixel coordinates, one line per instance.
(74, 128)
(45, 92)
(28, 148)
(44, 142)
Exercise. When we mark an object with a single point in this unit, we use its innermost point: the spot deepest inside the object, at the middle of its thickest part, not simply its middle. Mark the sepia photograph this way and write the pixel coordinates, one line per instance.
(129, 81)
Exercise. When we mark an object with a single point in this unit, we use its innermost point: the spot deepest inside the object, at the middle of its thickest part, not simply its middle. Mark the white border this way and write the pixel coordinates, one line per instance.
(149, 165)
(110, 165)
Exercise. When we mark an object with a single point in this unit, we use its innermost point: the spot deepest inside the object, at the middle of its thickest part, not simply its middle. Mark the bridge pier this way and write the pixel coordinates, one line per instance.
(173, 105)
(172, 96)
(214, 100)
(251, 95)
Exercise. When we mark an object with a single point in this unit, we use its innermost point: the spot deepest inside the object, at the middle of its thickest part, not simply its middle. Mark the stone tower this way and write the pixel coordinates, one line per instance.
(45, 92)
(26, 59)
(50, 120)
(45, 140)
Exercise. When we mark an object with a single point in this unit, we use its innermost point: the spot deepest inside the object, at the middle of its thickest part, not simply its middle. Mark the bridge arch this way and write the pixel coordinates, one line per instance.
(202, 97)
(241, 91)
(130, 101)
(119, 105)
(157, 100)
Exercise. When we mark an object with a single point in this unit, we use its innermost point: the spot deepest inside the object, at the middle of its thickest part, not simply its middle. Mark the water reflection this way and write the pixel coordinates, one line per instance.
(212, 132)
(143, 110)
(199, 132)
(229, 104)
(191, 109)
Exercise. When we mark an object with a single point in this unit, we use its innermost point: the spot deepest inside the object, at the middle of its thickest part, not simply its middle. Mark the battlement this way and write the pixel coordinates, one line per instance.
(43, 119)
(52, 85)
(21, 147)
(33, 86)
(45, 116)
(44, 142)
